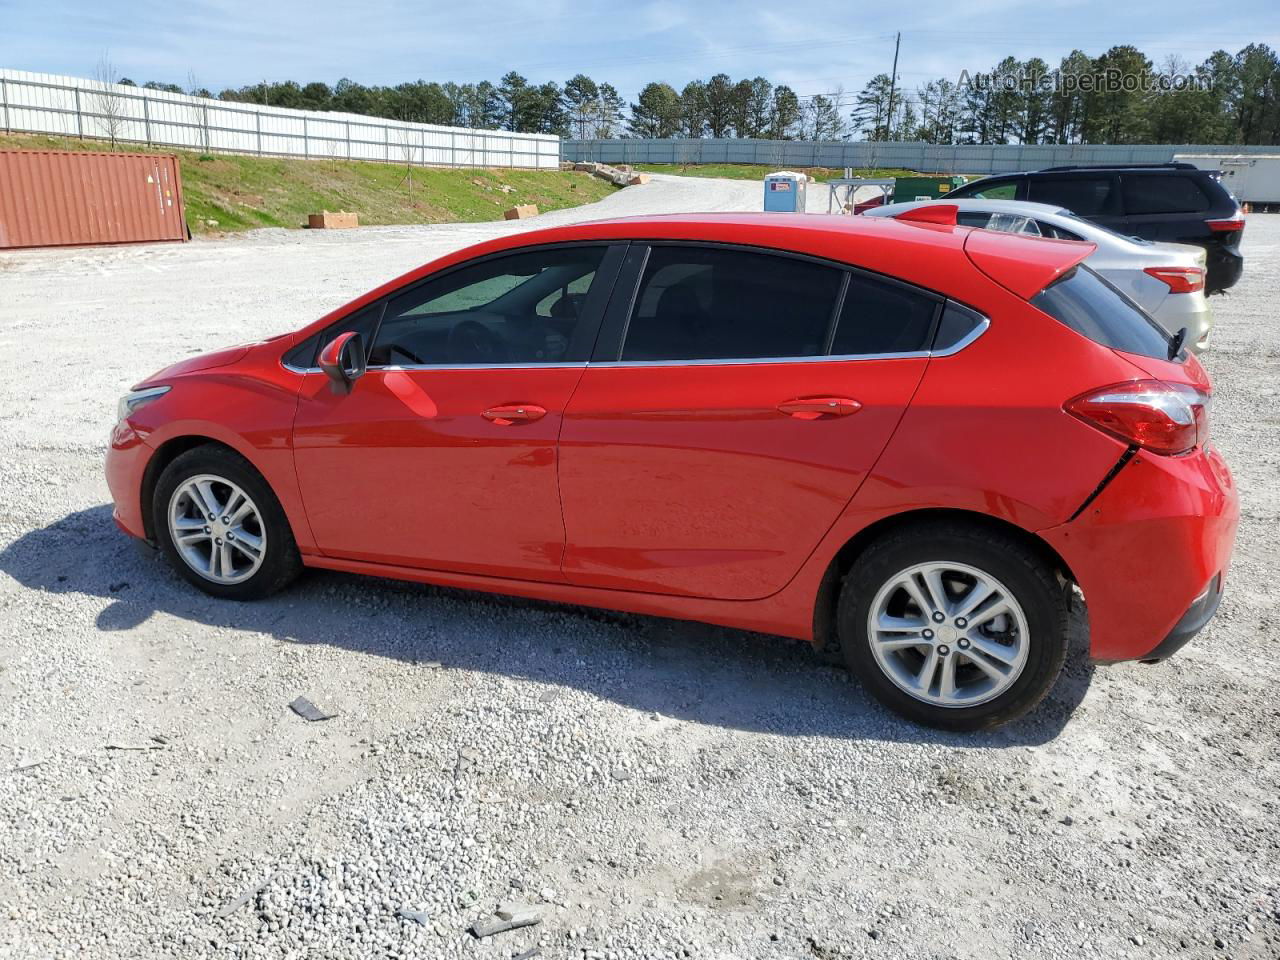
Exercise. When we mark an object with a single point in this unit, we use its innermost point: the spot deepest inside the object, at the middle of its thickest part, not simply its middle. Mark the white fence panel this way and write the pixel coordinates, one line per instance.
(69, 106)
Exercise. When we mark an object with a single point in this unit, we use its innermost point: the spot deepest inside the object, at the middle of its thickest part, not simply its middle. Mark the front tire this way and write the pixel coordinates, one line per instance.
(221, 527)
(953, 626)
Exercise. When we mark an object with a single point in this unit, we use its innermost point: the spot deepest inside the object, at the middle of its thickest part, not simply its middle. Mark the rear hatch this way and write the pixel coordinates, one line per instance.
(1051, 275)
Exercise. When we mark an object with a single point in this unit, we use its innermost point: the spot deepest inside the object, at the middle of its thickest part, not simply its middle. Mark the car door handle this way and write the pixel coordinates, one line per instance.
(511, 413)
(811, 408)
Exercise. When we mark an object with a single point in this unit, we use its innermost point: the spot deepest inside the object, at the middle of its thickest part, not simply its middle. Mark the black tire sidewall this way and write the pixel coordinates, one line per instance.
(281, 563)
(1032, 583)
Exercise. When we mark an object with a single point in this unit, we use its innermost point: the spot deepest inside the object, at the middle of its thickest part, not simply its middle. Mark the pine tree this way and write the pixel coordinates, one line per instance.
(871, 109)
(513, 92)
(784, 113)
(719, 105)
(693, 109)
(1031, 118)
(580, 96)
(822, 120)
(656, 112)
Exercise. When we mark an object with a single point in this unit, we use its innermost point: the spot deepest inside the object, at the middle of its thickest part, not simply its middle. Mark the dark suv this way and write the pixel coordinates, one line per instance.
(1174, 202)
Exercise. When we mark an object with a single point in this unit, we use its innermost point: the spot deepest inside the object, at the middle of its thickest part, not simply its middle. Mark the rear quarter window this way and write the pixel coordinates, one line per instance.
(1163, 194)
(1093, 308)
(955, 327)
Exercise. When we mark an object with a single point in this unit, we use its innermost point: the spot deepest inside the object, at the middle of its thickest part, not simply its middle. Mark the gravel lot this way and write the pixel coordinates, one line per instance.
(657, 789)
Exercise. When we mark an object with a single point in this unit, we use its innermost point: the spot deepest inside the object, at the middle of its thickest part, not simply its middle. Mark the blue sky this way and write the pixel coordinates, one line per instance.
(816, 46)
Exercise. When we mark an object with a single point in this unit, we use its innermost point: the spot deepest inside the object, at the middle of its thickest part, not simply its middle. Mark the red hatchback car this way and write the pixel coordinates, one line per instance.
(901, 440)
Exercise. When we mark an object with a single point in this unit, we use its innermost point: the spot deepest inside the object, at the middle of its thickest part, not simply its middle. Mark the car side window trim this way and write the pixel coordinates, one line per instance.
(979, 328)
(612, 338)
(606, 277)
(628, 270)
(316, 341)
(837, 308)
(617, 318)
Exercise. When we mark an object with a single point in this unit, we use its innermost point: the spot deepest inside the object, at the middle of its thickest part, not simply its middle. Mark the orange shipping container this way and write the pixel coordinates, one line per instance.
(52, 198)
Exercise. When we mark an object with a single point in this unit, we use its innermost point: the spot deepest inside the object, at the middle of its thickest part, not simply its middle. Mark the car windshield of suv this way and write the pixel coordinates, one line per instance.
(1095, 309)
(1004, 190)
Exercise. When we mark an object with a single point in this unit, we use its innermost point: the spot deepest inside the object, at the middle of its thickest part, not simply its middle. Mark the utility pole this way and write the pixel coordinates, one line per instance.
(893, 81)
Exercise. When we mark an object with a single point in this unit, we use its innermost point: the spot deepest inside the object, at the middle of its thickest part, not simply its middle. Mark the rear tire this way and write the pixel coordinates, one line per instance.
(221, 527)
(968, 669)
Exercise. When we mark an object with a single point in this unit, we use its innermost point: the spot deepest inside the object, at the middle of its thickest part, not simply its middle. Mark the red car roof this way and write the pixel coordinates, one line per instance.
(1025, 265)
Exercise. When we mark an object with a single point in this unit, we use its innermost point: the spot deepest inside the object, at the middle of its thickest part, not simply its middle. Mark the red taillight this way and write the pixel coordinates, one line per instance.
(1179, 279)
(1167, 418)
(1229, 225)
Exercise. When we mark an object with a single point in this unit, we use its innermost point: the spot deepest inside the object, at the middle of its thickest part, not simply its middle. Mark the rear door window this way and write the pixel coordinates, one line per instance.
(1085, 196)
(1095, 309)
(1162, 194)
(705, 303)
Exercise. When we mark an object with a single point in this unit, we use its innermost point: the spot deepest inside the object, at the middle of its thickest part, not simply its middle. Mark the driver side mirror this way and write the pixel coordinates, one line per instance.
(343, 361)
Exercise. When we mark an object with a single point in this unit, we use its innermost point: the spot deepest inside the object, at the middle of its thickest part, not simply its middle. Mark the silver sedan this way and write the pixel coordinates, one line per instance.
(1165, 279)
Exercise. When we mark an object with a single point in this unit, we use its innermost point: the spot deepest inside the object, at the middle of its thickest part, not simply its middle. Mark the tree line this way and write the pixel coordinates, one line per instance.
(1226, 99)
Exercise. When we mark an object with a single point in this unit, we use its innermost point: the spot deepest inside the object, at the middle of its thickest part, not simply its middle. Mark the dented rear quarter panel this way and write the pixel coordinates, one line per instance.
(1151, 541)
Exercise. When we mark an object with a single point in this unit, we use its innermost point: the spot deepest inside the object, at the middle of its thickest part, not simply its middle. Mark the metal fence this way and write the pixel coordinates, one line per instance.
(923, 157)
(67, 106)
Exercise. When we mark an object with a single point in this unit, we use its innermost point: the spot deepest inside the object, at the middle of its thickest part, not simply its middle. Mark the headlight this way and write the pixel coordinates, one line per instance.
(138, 398)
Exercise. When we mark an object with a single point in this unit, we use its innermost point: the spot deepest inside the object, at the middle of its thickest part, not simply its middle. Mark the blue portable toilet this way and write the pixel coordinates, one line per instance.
(784, 192)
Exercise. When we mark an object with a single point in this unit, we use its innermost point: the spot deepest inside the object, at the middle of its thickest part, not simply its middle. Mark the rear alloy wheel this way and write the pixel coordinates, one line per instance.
(954, 627)
(222, 527)
(948, 634)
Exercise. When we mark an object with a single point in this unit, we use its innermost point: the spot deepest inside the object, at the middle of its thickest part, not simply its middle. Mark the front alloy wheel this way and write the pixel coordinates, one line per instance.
(217, 529)
(221, 526)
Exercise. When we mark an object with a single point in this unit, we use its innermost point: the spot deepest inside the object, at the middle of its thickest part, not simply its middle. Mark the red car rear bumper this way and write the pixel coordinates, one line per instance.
(127, 459)
(1151, 553)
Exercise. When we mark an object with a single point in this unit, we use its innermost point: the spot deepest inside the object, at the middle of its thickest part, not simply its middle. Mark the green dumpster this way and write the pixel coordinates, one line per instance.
(924, 188)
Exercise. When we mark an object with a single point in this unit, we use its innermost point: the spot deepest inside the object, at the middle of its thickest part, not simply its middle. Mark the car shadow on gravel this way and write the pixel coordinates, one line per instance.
(694, 672)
